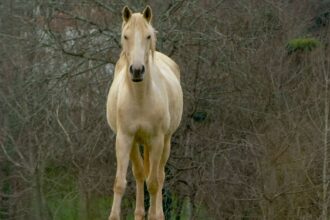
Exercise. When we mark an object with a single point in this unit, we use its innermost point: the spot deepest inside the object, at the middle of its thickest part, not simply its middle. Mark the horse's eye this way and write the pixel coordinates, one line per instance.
(149, 36)
(125, 37)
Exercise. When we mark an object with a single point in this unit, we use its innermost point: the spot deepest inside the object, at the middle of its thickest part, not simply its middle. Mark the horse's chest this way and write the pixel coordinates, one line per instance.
(145, 120)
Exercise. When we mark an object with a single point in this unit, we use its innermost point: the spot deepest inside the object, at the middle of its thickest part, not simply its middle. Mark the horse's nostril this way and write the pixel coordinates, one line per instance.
(131, 69)
(142, 71)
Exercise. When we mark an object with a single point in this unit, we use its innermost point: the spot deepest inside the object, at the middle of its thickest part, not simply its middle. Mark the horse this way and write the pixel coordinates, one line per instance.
(144, 108)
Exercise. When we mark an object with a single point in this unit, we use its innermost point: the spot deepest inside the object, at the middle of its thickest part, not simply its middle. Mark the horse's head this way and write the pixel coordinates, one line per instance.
(138, 41)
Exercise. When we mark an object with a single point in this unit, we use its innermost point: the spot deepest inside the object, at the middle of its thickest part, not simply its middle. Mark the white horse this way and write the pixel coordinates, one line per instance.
(144, 107)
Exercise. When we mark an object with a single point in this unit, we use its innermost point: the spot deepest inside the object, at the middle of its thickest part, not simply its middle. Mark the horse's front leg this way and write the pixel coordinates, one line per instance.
(153, 182)
(123, 150)
(138, 172)
(161, 177)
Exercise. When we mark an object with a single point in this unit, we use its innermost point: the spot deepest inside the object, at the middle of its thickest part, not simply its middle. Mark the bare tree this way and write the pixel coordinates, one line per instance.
(253, 142)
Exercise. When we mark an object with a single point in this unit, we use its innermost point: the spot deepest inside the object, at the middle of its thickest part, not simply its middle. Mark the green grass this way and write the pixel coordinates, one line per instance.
(64, 208)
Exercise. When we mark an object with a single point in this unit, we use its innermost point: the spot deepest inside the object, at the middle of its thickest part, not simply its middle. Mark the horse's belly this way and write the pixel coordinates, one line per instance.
(143, 131)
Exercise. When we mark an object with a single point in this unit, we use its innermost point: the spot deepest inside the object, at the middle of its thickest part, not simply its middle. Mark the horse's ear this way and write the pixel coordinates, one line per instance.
(147, 13)
(126, 13)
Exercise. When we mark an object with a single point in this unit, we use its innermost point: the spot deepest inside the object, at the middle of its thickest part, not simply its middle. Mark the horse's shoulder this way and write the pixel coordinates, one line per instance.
(169, 62)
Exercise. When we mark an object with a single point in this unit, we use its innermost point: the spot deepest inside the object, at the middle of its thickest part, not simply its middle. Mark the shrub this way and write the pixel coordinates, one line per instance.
(302, 44)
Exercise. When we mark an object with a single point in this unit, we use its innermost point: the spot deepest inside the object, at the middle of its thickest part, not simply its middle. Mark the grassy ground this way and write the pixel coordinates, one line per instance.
(65, 202)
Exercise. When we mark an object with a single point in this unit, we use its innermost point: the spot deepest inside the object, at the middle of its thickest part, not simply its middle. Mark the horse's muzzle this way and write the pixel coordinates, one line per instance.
(137, 79)
(137, 73)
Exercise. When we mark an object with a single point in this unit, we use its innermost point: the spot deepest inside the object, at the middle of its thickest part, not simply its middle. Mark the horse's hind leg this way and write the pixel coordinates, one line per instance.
(138, 172)
(123, 150)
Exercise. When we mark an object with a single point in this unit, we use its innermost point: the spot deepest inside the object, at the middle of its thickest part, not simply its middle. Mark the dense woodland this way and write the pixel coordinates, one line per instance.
(254, 138)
